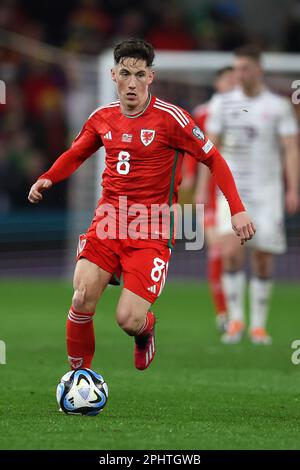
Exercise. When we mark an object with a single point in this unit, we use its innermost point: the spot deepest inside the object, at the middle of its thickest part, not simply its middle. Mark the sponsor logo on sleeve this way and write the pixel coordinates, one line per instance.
(198, 133)
(207, 147)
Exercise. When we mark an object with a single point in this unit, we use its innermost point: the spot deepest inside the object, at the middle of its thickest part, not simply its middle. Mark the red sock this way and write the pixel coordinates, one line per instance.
(214, 278)
(80, 339)
(148, 324)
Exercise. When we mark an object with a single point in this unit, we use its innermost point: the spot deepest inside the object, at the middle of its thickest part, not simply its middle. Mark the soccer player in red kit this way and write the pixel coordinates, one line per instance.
(145, 139)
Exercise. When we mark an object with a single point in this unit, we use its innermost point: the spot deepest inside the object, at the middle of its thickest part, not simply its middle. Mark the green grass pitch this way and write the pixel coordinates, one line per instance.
(197, 394)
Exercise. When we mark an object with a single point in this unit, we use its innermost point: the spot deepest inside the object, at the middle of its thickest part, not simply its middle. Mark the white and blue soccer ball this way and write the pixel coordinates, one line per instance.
(82, 392)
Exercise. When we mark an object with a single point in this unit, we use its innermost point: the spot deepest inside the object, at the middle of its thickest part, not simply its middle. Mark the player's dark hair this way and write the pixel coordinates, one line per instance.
(136, 48)
(249, 51)
(223, 70)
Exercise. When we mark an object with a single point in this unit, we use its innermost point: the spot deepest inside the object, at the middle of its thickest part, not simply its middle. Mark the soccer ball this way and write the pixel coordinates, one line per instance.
(82, 392)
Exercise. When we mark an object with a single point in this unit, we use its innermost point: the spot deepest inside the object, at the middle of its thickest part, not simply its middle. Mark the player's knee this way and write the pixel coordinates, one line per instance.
(231, 262)
(229, 252)
(81, 301)
(261, 269)
(262, 265)
(128, 321)
(232, 258)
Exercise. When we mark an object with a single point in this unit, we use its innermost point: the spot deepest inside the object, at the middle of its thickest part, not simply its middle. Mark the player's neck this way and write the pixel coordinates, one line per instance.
(253, 90)
(140, 109)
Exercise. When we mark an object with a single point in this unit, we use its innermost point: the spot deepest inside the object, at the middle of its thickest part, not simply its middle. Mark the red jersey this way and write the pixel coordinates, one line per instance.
(144, 154)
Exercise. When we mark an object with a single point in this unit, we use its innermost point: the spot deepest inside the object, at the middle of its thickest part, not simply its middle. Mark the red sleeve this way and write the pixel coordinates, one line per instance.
(224, 179)
(85, 144)
(189, 138)
(186, 136)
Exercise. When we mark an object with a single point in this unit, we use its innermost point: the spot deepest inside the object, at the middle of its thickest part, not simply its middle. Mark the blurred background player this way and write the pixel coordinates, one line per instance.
(206, 193)
(255, 128)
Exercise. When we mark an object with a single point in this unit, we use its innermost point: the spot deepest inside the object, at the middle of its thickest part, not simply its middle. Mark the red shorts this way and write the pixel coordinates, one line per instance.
(143, 263)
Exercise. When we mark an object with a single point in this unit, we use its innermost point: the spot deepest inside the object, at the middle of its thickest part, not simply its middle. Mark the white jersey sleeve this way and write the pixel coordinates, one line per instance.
(215, 119)
(287, 123)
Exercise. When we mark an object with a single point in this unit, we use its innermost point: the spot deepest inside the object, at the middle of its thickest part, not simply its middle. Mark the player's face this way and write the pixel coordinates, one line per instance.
(226, 82)
(133, 78)
(248, 72)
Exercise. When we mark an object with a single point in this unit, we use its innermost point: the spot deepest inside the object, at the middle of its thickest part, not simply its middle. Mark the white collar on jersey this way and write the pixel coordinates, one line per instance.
(133, 116)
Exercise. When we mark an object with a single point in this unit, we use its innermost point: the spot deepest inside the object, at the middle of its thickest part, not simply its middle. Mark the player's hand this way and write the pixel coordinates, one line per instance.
(35, 193)
(243, 226)
(292, 201)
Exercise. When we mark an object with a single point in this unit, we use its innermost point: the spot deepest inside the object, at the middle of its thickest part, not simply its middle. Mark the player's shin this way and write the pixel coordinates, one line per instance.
(147, 325)
(260, 294)
(234, 288)
(145, 348)
(80, 339)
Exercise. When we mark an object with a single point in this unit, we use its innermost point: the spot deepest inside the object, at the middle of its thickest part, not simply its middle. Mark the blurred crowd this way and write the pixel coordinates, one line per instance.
(33, 126)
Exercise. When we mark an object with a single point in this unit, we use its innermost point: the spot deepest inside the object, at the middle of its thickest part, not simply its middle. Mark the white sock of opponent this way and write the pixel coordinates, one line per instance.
(234, 289)
(260, 293)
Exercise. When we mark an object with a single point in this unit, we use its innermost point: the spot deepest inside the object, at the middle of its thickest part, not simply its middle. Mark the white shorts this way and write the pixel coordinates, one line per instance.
(269, 222)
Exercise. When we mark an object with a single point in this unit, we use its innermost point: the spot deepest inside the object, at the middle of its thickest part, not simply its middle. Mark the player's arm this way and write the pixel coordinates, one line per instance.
(291, 167)
(85, 144)
(190, 139)
(241, 222)
(203, 177)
